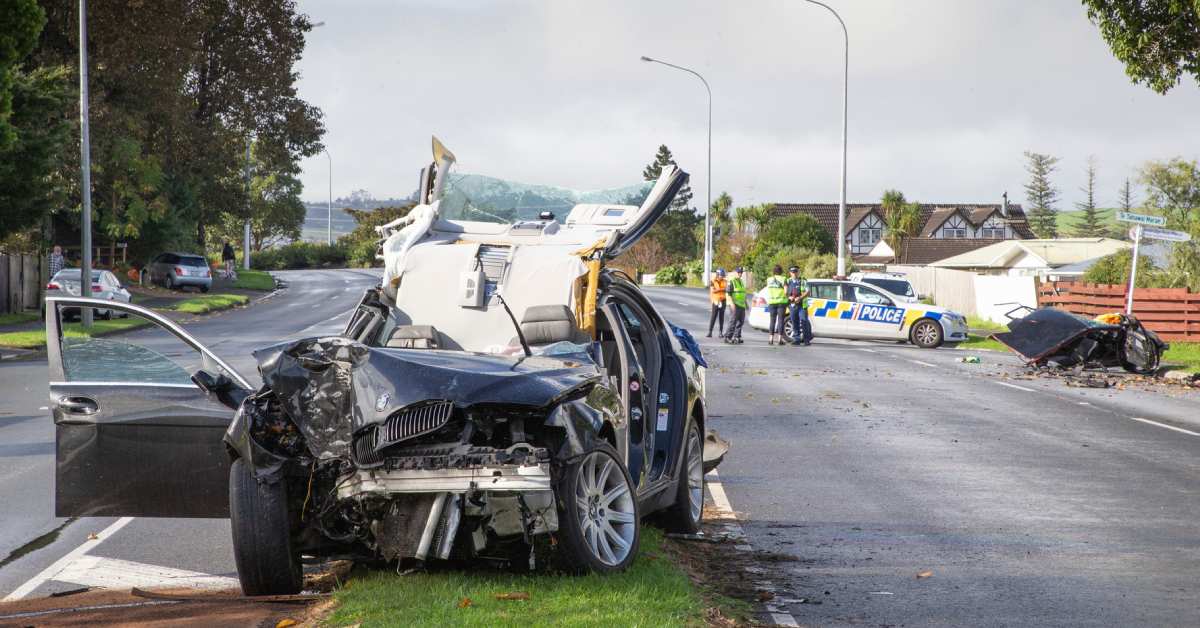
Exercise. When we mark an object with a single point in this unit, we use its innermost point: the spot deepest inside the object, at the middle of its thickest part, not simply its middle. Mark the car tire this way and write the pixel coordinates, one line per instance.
(684, 515)
(788, 331)
(262, 547)
(170, 282)
(926, 333)
(592, 536)
(107, 315)
(204, 288)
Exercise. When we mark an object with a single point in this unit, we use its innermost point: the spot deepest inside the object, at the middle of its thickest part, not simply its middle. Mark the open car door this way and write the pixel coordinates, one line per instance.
(138, 417)
(656, 204)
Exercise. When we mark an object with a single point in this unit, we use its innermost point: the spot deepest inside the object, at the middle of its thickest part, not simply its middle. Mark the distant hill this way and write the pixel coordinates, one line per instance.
(1068, 221)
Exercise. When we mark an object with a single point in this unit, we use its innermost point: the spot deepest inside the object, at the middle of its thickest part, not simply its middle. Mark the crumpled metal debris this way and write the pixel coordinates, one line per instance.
(1050, 336)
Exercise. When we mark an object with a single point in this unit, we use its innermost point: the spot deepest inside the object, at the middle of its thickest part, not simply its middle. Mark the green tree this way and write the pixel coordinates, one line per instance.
(753, 217)
(1173, 191)
(30, 165)
(363, 241)
(1117, 230)
(722, 219)
(276, 211)
(1114, 270)
(902, 221)
(651, 172)
(797, 230)
(20, 23)
(1156, 39)
(1089, 225)
(1041, 194)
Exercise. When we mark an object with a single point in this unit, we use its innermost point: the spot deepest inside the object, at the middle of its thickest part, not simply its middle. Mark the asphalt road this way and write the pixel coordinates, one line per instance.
(864, 464)
(32, 539)
(859, 464)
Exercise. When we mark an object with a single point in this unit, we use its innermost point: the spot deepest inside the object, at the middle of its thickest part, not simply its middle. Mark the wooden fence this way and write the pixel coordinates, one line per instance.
(1174, 313)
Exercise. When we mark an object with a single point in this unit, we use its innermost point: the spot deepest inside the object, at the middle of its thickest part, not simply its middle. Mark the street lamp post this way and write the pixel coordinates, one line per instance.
(841, 257)
(707, 208)
(85, 169)
(329, 206)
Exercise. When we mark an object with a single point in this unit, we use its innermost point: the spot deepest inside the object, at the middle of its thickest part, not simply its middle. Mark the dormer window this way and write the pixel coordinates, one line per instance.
(993, 228)
(955, 227)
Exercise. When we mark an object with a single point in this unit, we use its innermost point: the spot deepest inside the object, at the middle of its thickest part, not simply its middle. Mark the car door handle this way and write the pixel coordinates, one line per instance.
(79, 405)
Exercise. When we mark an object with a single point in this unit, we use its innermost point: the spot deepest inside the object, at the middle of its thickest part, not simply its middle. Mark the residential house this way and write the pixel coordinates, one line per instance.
(939, 221)
(918, 251)
(1020, 258)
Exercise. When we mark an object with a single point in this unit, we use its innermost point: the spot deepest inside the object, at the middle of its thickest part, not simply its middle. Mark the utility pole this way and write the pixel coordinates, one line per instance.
(85, 168)
(246, 228)
(841, 237)
(329, 206)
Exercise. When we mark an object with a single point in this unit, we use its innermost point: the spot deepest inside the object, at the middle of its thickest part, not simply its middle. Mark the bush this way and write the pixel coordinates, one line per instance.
(813, 265)
(299, 255)
(362, 243)
(673, 275)
(1114, 269)
(798, 230)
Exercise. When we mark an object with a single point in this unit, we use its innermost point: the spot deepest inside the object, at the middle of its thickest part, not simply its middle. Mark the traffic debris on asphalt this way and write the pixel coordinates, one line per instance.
(970, 359)
(924, 574)
(1049, 336)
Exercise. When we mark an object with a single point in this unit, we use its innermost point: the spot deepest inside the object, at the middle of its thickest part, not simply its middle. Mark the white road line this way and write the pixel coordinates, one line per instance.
(923, 363)
(62, 563)
(113, 573)
(867, 350)
(1016, 386)
(1169, 427)
(721, 501)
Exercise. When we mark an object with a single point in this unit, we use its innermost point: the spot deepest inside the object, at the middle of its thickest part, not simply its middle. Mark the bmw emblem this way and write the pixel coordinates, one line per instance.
(381, 403)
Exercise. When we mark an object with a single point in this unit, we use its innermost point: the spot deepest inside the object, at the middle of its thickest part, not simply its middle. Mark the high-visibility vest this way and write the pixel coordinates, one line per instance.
(737, 291)
(776, 290)
(716, 290)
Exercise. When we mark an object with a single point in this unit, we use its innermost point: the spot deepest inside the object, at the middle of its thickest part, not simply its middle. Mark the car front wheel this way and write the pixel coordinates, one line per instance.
(927, 334)
(262, 547)
(600, 523)
(684, 514)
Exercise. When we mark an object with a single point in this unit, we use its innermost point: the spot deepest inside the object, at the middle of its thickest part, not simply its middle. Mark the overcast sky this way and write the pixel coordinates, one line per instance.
(944, 96)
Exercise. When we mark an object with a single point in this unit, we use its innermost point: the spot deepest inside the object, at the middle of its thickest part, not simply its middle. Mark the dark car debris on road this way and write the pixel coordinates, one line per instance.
(1050, 336)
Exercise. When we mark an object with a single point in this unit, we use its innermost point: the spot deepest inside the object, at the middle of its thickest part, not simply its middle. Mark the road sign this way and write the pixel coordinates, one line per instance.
(1142, 219)
(1165, 234)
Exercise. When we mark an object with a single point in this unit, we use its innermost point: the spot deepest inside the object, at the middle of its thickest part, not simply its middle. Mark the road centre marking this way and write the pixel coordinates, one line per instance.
(1016, 386)
(867, 350)
(923, 363)
(59, 565)
(1169, 427)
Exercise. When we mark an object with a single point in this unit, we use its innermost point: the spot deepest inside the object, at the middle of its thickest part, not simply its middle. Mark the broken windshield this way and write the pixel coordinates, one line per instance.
(488, 199)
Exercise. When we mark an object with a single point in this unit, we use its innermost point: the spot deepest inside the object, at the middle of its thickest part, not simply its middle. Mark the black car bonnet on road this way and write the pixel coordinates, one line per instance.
(332, 387)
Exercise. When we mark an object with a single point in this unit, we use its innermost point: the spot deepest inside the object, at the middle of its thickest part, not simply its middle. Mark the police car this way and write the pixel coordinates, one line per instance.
(851, 309)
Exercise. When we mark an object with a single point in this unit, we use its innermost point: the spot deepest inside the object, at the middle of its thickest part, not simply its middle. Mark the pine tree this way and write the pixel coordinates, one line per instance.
(654, 170)
(1041, 194)
(1090, 225)
(1117, 230)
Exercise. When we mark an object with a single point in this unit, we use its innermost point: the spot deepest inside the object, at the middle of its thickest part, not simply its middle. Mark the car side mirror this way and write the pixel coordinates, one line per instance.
(210, 383)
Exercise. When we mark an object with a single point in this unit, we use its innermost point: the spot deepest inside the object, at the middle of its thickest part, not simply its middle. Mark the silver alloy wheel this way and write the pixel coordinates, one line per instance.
(695, 473)
(925, 334)
(606, 509)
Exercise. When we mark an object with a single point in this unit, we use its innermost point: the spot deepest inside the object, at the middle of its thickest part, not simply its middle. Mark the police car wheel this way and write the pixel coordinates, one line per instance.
(788, 331)
(926, 333)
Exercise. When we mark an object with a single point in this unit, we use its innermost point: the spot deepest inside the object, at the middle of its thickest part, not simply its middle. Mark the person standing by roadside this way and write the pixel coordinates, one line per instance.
(229, 257)
(776, 304)
(57, 261)
(717, 294)
(797, 293)
(737, 296)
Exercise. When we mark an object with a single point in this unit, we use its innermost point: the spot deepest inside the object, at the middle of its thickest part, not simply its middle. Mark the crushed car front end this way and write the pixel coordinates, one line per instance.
(395, 454)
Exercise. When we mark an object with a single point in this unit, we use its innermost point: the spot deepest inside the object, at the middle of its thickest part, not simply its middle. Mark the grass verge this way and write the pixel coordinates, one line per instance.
(254, 280)
(981, 342)
(655, 591)
(17, 318)
(1185, 354)
(210, 303)
(36, 339)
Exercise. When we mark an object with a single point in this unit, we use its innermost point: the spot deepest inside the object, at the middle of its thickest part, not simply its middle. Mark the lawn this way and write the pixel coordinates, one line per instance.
(36, 339)
(654, 592)
(17, 318)
(981, 342)
(210, 303)
(254, 280)
(1185, 354)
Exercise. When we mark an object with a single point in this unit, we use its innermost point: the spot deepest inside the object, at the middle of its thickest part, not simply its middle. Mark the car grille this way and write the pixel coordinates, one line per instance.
(402, 425)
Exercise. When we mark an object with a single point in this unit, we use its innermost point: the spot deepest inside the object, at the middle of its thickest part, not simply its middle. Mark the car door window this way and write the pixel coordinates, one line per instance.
(861, 294)
(148, 355)
(823, 291)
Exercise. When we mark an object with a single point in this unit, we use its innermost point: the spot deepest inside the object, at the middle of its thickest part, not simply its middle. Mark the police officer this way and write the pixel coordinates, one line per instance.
(776, 304)
(717, 292)
(737, 296)
(797, 293)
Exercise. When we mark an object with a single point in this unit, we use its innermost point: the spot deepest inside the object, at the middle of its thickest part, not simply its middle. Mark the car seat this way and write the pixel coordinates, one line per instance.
(548, 324)
(413, 337)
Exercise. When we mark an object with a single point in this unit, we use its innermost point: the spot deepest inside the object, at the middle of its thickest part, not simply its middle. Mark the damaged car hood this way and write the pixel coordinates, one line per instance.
(332, 387)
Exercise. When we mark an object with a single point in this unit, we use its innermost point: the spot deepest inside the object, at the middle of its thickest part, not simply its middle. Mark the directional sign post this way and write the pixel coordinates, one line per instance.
(1149, 227)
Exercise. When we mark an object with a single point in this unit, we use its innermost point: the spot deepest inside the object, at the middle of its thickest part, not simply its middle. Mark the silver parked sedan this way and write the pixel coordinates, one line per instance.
(177, 270)
(105, 285)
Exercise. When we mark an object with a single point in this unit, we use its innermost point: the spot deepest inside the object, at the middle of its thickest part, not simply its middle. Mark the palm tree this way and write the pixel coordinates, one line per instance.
(721, 220)
(756, 216)
(902, 222)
